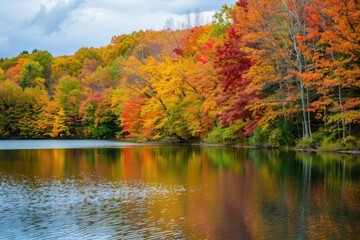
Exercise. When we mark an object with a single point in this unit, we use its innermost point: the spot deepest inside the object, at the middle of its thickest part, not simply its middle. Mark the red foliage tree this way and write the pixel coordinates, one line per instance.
(237, 98)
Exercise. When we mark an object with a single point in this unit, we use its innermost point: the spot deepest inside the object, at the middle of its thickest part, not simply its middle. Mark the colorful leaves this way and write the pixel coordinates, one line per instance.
(259, 65)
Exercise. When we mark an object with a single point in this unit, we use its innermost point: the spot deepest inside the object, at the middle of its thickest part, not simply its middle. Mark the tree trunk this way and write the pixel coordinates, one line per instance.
(340, 99)
(305, 124)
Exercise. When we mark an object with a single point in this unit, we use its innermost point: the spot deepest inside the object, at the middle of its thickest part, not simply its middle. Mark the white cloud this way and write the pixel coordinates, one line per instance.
(51, 19)
(63, 26)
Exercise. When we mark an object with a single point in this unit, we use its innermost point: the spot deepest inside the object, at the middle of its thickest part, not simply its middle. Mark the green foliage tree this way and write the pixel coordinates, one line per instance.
(87, 53)
(31, 104)
(2, 75)
(69, 96)
(10, 113)
(31, 74)
(45, 59)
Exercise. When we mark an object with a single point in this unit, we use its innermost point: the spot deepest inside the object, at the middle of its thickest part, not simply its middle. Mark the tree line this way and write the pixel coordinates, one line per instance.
(264, 72)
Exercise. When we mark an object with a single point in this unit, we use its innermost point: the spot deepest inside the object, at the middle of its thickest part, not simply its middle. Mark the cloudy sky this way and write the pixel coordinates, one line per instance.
(63, 26)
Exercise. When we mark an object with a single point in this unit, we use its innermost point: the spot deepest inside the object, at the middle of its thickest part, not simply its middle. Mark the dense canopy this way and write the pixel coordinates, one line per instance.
(264, 72)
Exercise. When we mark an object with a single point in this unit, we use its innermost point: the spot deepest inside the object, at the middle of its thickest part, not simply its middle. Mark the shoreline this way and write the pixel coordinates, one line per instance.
(295, 149)
(124, 143)
(310, 150)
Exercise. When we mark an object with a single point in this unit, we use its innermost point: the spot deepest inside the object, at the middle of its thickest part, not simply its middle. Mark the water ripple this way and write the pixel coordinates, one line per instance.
(83, 209)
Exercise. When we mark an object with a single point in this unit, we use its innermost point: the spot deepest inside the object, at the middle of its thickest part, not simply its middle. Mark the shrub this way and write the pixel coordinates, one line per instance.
(304, 143)
(331, 147)
(288, 129)
(222, 135)
(276, 137)
(215, 136)
(230, 136)
(318, 138)
(259, 137)
(350, 143)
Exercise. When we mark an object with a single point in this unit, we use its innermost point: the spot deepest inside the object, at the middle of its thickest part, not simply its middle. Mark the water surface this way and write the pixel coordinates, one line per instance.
(61, 144)
(161, 192)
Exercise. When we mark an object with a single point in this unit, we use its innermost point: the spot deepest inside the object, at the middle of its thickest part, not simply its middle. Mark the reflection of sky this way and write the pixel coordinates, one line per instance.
(63, 26)
(84, 209)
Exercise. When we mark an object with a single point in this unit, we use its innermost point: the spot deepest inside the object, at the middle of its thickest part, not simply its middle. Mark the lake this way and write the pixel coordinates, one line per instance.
(108, 190)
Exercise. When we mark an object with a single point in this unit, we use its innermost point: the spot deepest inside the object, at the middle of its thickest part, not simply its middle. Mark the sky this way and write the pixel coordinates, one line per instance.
(64, 26)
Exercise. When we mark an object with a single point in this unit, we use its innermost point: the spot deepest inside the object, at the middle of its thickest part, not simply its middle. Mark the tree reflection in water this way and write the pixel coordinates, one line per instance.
(180, 192)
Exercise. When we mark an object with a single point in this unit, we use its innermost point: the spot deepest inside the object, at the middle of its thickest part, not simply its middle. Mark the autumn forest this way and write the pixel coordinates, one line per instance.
(263, 72)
